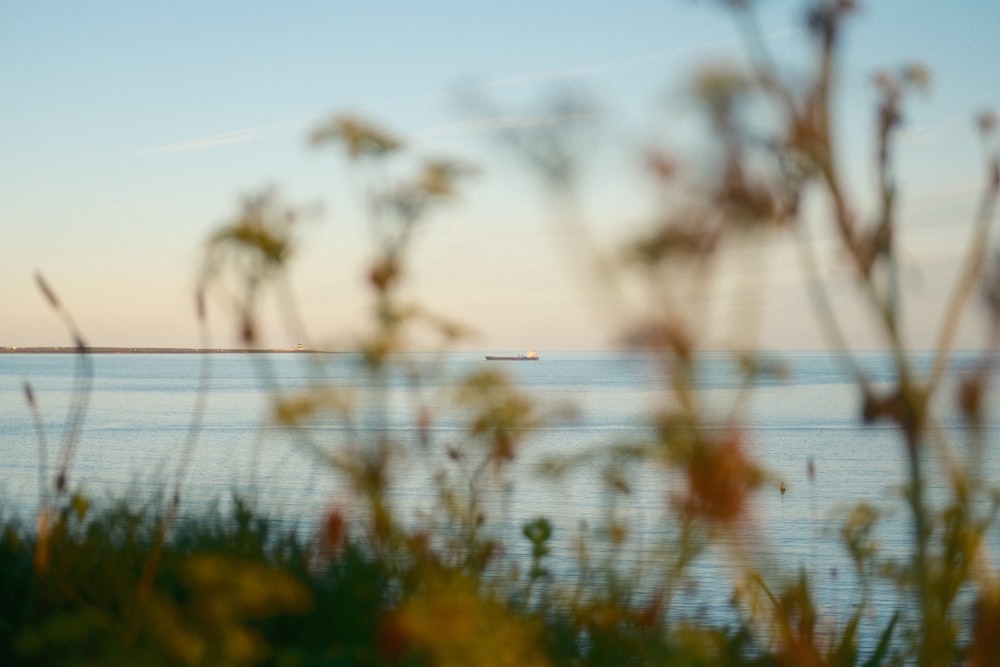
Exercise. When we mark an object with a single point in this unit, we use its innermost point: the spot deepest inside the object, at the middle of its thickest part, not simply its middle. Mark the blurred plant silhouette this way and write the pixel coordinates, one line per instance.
(132, 584)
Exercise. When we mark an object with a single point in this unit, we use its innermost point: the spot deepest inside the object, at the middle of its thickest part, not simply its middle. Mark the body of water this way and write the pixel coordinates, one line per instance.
(803, 428)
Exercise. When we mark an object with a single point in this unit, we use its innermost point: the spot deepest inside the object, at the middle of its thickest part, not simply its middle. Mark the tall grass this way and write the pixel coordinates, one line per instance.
(137, 583)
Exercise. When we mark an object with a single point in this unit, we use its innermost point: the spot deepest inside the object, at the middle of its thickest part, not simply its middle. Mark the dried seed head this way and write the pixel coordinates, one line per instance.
(200, 303)
(29, 395)
(248, 330)
(384, 273)
(333, 534)
(359, 136)
(987, 122)
(971, 392)
(720, 479)
(918, 76)
(47, 291)
(662, 166)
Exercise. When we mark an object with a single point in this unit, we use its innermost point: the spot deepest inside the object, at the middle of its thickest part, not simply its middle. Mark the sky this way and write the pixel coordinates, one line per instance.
(131, 130)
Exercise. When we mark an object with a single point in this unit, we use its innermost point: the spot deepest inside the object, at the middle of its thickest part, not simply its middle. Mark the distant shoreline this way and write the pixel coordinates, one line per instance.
(148, 350)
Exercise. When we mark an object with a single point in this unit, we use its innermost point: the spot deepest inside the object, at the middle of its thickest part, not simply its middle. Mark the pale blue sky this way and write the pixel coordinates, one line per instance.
(130, 129)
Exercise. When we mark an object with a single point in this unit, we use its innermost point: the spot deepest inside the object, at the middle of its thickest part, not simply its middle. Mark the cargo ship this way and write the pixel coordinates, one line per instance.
(527, 356)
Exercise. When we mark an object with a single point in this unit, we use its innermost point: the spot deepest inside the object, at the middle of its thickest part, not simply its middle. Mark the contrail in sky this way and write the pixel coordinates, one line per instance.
(225, 138)
(471, 126)
(617, 65)
(503, 122)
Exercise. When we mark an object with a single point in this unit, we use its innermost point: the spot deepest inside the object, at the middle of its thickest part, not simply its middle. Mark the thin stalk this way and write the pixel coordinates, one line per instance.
(43, 448)
(82, 385)
(971, 273)
(830, 323)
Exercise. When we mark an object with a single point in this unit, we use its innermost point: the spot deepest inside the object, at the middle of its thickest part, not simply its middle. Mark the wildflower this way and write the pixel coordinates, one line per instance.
(438, 177)
(918, 75)
(987, 122)
(384, 273)
(334, 532)
(359, 136)
(720, 478)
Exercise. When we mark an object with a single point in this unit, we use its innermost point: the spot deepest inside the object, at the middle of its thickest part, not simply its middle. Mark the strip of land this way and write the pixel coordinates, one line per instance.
(144, 350)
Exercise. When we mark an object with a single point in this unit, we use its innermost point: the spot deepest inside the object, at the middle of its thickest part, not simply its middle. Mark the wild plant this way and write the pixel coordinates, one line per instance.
(377, 584)
(774, 149)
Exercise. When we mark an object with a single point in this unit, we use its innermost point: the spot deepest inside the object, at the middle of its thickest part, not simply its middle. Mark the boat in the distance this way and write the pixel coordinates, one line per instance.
(527, 356)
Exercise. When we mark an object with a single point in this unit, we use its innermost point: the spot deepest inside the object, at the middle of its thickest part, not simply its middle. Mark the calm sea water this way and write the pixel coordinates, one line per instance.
(140, 409)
